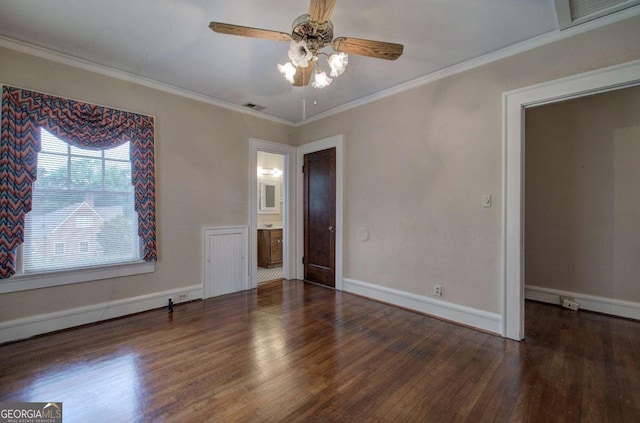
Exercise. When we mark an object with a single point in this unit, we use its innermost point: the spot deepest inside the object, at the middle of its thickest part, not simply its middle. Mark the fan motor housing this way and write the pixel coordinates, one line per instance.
(315, 35)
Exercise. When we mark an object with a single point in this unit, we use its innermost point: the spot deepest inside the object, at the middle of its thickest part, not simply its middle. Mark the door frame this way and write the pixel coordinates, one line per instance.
(323, 144)
(514, 104)
(288, 209)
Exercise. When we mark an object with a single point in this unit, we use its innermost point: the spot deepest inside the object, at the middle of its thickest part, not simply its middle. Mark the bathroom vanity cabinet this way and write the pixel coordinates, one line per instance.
(269, 247)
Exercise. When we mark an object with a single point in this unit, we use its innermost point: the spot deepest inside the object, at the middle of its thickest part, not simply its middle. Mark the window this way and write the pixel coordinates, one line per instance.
(98, 186)
(83, 247)
(84, 221)
(58, 248)
(81, 197)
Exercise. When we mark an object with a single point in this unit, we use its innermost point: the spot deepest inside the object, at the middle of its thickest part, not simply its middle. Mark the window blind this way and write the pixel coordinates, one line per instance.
(82, 212)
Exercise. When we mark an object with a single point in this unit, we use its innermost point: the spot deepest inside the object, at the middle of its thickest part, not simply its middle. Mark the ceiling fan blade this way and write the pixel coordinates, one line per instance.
(369, 48)
(303, 76)
(245, 31)
(320, 10)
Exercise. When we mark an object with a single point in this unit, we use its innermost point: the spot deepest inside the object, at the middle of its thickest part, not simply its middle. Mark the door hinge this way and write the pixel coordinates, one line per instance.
(303, 260)
(302, 168)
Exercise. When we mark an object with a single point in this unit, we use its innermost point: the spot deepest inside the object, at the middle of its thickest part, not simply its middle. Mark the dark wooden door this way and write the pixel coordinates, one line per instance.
(320, 217)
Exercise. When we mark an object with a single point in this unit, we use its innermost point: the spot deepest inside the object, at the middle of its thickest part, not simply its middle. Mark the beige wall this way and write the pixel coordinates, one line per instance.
(202, 157)
(582, 202)
(417, 164)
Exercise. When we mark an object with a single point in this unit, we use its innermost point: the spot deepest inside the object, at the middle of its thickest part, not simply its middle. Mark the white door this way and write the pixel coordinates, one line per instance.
(225, 261)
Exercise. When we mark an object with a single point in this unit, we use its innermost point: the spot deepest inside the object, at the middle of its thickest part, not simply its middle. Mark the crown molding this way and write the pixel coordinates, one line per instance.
(86, 65)
(512, 50)
(521, 47)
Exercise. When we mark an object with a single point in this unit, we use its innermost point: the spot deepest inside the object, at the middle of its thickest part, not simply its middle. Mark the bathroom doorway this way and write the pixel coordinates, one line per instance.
(272, 216)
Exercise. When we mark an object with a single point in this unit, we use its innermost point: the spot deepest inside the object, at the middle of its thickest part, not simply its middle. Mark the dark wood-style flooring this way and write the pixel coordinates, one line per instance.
(292, 351)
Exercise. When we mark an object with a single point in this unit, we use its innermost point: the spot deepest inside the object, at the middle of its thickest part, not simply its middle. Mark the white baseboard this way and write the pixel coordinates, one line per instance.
(479, 319)
(588, 302)
(14, 330)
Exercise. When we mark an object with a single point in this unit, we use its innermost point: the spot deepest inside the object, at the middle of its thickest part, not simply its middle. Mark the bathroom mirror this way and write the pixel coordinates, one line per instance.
(268, 197)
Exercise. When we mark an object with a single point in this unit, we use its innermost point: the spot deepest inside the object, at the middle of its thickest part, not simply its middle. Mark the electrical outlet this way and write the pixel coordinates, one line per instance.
(437, 290)
(562, 298)
(570, 303)
(182, 296)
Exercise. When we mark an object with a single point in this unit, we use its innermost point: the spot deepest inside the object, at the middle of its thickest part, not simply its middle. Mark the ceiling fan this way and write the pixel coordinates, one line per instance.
(312, 32)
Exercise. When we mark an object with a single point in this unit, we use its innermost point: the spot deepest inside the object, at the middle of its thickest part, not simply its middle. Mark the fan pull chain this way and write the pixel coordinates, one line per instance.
(304, 109)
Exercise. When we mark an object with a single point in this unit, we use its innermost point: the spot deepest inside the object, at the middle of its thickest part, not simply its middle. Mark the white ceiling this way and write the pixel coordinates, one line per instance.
(169, 41)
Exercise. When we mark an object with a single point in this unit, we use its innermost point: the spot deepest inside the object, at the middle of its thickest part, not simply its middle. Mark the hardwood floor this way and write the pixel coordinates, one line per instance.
(297, 352)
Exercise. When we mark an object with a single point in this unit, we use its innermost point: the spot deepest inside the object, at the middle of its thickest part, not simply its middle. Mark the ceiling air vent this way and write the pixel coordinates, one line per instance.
(575, 12)
(255, 107)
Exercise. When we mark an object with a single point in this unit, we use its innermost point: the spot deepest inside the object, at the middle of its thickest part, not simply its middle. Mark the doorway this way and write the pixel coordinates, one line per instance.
(270, 219)
(335, 142)
(319, 170)
(514, 103)
(272, 211)
(582, 202)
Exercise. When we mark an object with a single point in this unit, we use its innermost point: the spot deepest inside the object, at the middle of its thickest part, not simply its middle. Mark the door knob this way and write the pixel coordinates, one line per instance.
(332, 228)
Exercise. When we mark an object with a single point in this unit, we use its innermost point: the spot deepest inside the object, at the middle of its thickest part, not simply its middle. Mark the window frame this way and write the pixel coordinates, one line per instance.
(26, 282)
(22, 281)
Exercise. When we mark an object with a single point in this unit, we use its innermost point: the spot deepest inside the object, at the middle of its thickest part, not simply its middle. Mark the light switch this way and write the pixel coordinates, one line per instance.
(486, 201)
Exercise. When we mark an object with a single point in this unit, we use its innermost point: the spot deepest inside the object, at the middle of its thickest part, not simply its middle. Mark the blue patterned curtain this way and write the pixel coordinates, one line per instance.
(82, 125)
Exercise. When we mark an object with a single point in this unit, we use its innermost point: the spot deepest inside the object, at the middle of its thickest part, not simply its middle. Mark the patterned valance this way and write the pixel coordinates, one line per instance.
(82, 125)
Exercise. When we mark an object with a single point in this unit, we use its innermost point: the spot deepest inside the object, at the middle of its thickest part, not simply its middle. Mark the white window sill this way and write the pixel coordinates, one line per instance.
(45, 280)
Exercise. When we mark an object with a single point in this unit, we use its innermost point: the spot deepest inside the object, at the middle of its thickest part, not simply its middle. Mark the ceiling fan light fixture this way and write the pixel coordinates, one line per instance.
(299, 54)
(321, 80)
(311, 33)
(338, 63)
(288, 70)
